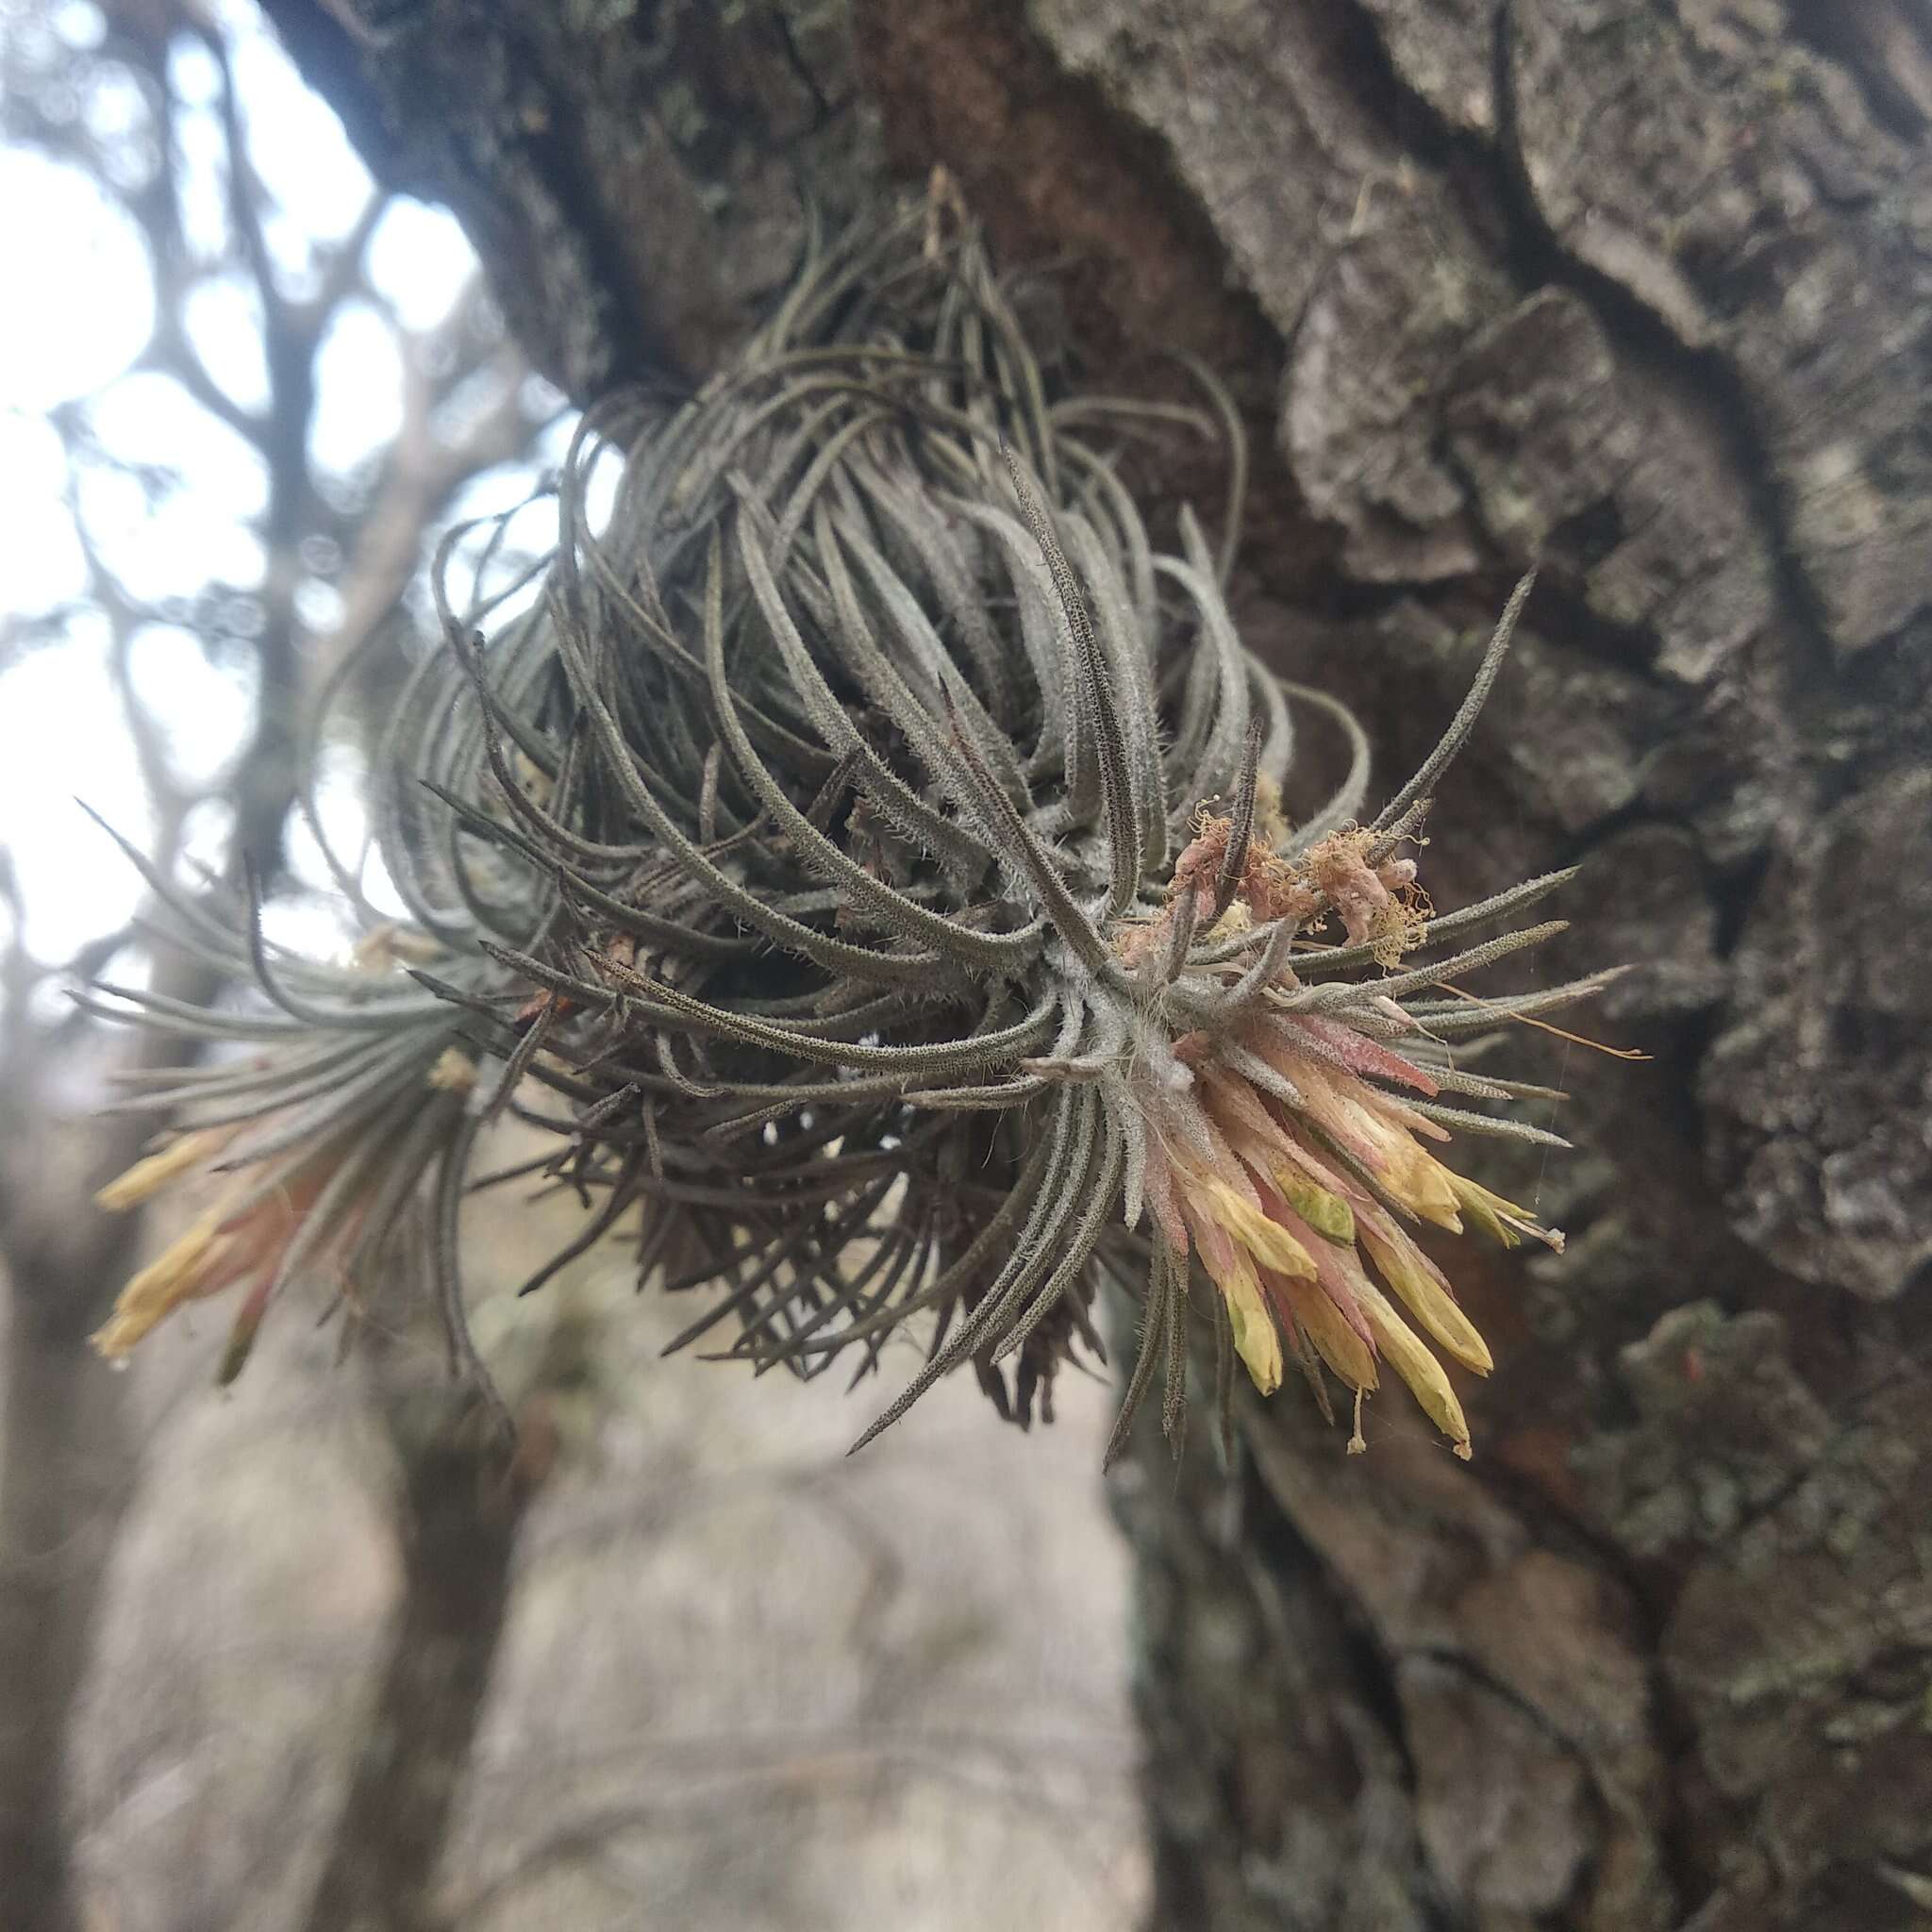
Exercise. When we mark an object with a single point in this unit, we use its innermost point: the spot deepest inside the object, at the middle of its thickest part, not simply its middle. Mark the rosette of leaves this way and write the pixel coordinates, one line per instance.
(865, 858)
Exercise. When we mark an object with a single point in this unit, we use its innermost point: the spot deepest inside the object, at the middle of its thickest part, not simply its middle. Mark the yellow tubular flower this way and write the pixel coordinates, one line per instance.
(1424, 1374)
(1495, 1216)
(1270, 1244)
(148, 1177)
(1413, 1174)
(1324, 1324)
(1355, 1115)
(188, 1268)
(1255, 1339)
(1402, 1268)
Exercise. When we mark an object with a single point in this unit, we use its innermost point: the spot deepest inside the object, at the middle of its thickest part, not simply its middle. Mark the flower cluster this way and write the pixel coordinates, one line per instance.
(1281, 1152)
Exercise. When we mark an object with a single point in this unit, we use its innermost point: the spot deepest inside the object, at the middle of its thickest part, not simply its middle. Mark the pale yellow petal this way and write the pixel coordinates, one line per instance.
(1413, 1175)
(1237, 919)
(149, 1176)
(1336, 1342)
(176, 1274)
(1272, 828)
(1412, 1361)
(1429, 1301)
(454, 1072)
(1270, 1244)
(1256, 1340)
(1491, 1212)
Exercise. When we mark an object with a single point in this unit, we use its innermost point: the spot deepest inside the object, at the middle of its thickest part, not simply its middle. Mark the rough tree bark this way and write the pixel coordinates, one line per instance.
(1635, 289)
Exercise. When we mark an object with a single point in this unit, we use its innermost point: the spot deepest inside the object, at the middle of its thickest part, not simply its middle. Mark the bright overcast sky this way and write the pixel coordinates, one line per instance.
(89, 316)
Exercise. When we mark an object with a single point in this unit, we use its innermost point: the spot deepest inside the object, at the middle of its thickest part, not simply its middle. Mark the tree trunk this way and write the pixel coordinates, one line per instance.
(64, 1470)
(461, 1506)
(67, 1463)
(1636, 289)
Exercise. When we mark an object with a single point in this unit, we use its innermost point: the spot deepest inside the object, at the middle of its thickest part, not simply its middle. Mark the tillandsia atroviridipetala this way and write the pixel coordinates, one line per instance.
(867, 859)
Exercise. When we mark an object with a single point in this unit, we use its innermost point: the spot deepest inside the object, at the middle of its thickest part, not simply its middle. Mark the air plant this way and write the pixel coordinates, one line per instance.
(866, 859)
